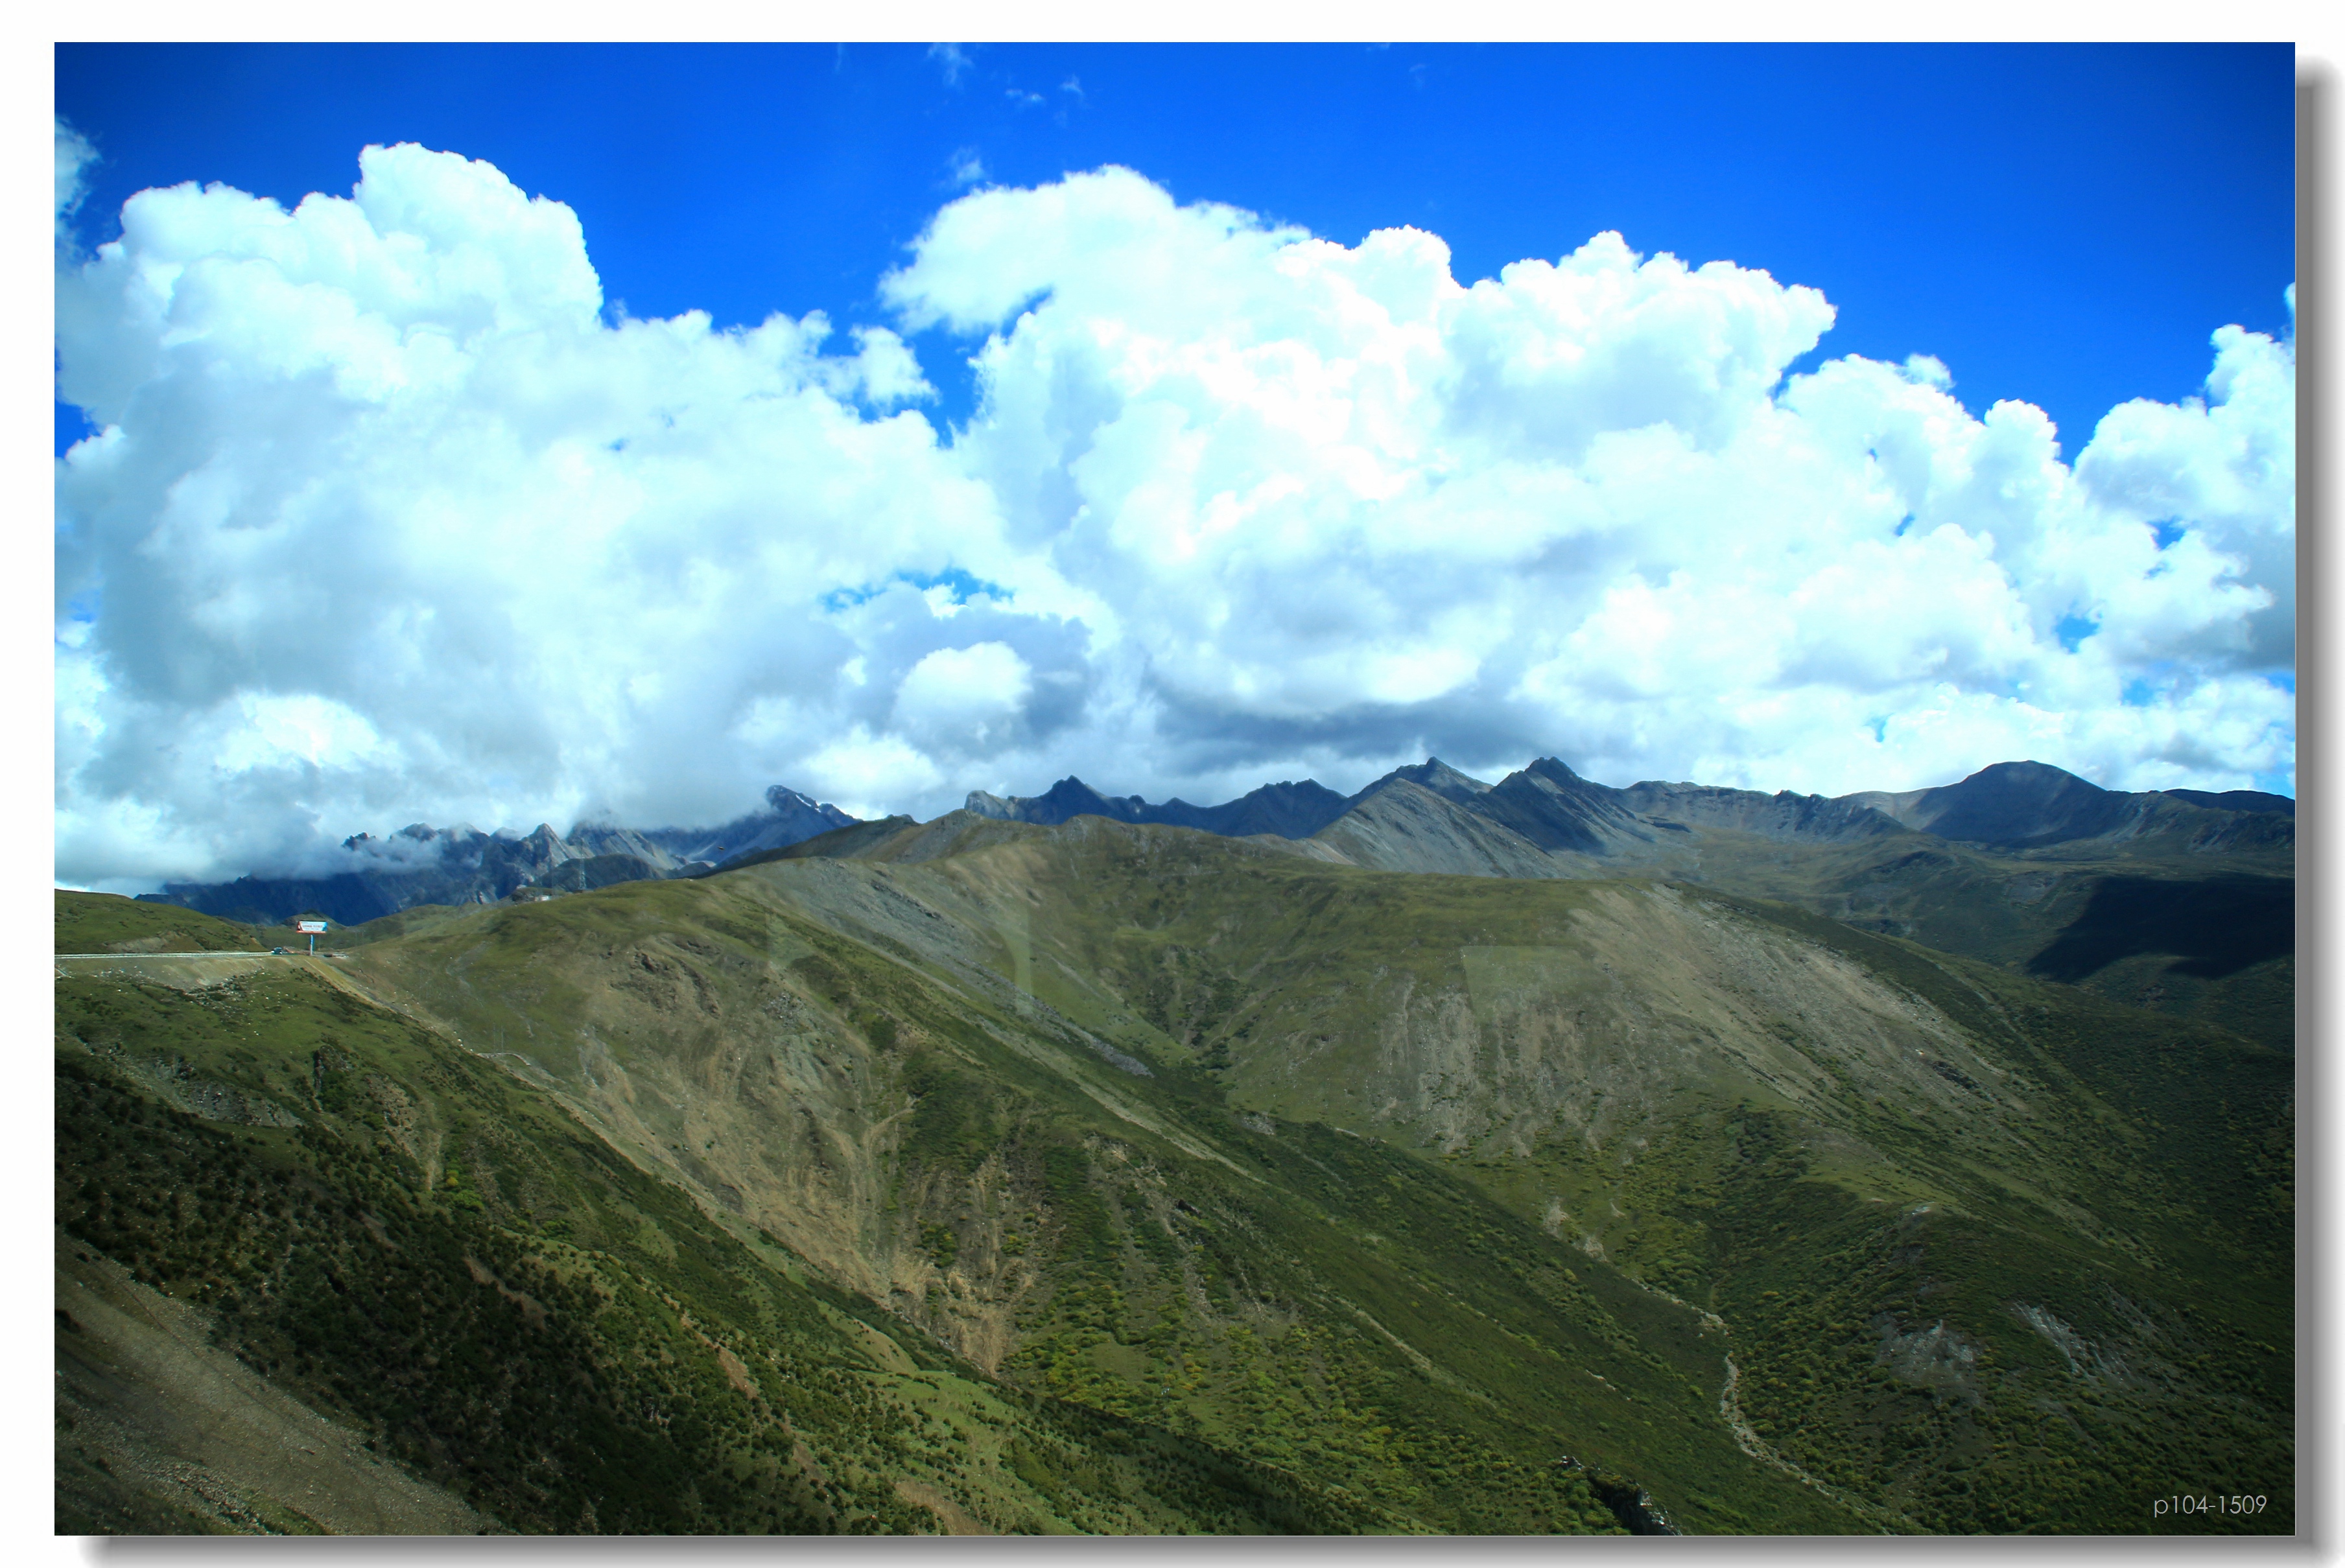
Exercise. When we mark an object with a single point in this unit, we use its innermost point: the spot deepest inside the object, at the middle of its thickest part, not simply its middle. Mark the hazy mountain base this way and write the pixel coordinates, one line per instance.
(421, 864)
(941, 1110)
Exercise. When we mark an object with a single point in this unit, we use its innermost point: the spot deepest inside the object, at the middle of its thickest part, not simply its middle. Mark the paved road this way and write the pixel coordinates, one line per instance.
(297, 952)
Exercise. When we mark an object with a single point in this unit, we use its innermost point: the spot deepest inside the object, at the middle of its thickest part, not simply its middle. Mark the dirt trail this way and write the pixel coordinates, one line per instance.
(1746, 1437)
(183, 971)
(956, 1519)
(197, 971)
(149, 1413)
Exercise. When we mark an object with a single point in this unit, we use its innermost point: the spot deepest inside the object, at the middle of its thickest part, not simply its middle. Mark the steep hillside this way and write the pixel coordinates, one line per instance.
(162, 1432)
(1785, 817)
(1405, 826)
(358, 1241)
(1774, 1116)
(1597, 1059)
(2169, 906)
(1077, 1216)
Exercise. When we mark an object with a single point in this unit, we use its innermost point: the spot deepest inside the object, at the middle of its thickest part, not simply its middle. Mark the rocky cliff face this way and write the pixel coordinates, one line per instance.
(789, 818)
(1785, 817)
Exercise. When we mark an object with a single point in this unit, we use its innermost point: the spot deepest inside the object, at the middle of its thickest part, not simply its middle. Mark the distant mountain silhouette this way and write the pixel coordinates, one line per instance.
(1433, 775)
(1549, 809)
(2032, 804)
(425, 864)
(1286, 810)
(2236, 800)
(1427, 817)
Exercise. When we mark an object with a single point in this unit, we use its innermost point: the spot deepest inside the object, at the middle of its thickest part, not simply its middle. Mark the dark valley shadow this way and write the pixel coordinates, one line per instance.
(2214, 927)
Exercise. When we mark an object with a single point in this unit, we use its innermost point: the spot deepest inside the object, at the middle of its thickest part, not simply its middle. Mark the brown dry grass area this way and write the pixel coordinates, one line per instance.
(956, 1519)
(159, 1429)
(722, 1073)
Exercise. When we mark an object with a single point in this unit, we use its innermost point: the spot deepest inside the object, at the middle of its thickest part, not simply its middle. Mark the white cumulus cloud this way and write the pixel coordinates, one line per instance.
(385, 520)
(964, 700)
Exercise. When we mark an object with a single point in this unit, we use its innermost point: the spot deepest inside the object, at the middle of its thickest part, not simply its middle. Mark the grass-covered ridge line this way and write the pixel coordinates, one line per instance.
(108, 923)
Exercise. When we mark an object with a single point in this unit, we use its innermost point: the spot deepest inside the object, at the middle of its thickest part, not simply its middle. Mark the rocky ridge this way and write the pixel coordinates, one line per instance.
(1429, 816)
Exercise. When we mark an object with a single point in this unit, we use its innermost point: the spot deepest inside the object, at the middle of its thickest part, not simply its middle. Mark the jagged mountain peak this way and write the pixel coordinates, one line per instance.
(1543, 809)
(1071, 790)
(1433, 775)
(781, 797)
(1288, 809)
(1556, 768)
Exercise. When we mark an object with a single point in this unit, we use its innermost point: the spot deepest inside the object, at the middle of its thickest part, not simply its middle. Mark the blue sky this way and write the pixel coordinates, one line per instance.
(2060, 224)
(1189, 417)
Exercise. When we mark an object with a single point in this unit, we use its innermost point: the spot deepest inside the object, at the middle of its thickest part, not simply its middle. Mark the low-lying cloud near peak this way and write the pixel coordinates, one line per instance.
(387, 520)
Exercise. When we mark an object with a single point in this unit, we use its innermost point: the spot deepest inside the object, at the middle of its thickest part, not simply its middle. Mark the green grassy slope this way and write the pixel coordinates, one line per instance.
(109, 923)
(2198, 936)
(418, 917)
(444, 1260)
(1318, 1303)
(1841, 1143)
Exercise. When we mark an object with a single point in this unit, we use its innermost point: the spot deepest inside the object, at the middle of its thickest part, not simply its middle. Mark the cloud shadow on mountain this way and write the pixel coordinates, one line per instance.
(2214, 927)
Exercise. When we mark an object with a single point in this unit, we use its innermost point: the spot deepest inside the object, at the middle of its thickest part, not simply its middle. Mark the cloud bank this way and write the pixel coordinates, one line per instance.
(389, 519)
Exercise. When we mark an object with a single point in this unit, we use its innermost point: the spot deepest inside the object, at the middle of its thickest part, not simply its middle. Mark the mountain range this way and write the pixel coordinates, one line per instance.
(2178, 900)
(1546, 808)
(1542, 821)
